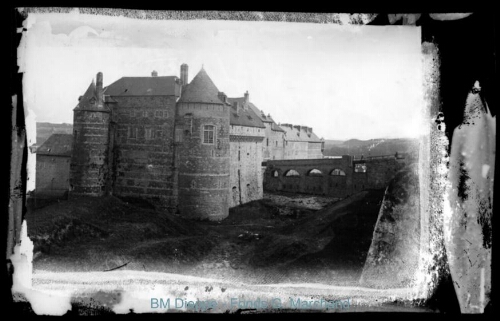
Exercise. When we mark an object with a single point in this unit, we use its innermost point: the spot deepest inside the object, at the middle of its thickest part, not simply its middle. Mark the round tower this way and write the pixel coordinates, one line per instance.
(89, 158)
(202, 150)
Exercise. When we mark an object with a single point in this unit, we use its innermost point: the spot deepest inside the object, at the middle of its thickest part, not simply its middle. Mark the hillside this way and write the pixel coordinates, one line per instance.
(44, 130)
(372, 147)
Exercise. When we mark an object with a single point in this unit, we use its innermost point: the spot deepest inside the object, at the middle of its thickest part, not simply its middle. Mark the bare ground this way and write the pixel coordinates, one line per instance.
(281, 238)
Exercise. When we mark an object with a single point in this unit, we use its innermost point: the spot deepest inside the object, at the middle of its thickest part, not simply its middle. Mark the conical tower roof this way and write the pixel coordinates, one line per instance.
(200, 90)
(89, 100)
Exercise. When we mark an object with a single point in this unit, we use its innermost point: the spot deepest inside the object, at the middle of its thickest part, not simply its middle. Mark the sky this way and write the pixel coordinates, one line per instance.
(345, 82)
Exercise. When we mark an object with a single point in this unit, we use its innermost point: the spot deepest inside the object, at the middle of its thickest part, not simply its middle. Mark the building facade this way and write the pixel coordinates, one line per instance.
(52, 166)
(302, 143)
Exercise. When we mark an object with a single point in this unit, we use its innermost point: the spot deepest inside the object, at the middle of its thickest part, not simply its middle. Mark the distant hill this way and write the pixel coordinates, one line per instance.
(372, 147)
(45, 130)
(332, 142)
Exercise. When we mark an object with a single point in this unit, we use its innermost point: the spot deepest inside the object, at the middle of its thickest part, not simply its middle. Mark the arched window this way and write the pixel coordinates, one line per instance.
(315, 172)
(337, 172)
(292, 173)
(275, 174)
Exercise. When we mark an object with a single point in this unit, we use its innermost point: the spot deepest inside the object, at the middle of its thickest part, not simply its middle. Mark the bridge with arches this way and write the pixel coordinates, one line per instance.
(335, 177)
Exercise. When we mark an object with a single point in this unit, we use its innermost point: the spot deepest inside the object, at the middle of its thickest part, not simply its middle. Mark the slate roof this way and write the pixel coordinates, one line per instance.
(200, 90)
(142, 86)
(264, 118)
(245, 117)
(277, 128)
(89, 99)
(291, 135)
(57, 145)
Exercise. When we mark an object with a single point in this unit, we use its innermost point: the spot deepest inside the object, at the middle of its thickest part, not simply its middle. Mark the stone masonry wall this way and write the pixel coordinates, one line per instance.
(246, 173)
(273, 144)
(52, 175)
(296, 150)
(203, 168)
(378, 174)
(143, 148)
(276, 179)
(89, 170)
(314, 150)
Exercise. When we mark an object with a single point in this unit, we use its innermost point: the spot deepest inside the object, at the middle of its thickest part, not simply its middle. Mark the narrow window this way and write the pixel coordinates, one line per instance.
(148, 133)
(208, 134)
(267, 141)
(178, 135)
(132, 132)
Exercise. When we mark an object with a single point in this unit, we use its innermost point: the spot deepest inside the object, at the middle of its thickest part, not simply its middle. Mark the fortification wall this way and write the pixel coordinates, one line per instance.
(143, 148)
(296, 150)
(52, 175)
(277, 176)
(273, 144)
(314, 150)
(246, 173)
(333, 177)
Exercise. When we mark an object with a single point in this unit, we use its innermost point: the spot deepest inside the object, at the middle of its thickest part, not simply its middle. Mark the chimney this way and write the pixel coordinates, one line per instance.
(154, 73)
(98, 89)
(222, 96)
(184, 74)
(247, 100)
(297, 127)
(236, 107)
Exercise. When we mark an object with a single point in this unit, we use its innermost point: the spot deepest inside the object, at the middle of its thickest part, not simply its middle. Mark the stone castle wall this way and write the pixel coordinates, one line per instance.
(52, 175)
(203, 169)
(89, 171)
(246, 158)
(335, 177)
(273, 146)
(142, 164)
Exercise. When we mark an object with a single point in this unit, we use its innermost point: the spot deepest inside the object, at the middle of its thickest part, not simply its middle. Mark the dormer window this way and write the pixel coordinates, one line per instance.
(92, 100)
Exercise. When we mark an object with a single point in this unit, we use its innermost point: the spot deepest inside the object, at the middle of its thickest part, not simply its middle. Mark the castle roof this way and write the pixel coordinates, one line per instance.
(245, 117)
(294, 134)
(89, 99)
(143, 86)
(57, 145)
(264, 118)
(200, 90)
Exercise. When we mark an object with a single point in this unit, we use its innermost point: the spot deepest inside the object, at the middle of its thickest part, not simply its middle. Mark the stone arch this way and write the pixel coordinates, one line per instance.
(337, 172)
(315, 173)
(291, 173)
